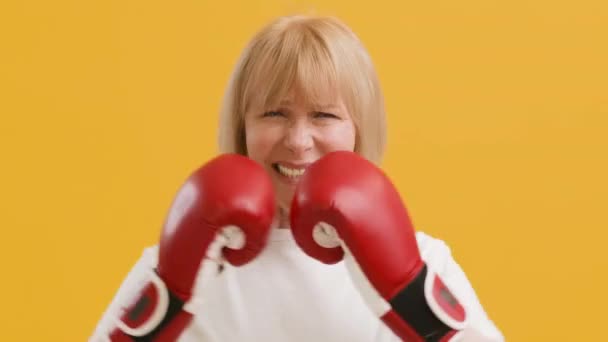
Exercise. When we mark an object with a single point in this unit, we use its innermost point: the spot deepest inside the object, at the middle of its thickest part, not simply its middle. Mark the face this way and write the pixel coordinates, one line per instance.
(286, 139)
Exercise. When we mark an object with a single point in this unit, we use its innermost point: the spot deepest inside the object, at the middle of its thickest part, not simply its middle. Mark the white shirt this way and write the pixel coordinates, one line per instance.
(284, 295)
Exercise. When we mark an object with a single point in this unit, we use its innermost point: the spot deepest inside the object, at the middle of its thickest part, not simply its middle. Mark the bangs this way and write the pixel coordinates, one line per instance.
(298, 59)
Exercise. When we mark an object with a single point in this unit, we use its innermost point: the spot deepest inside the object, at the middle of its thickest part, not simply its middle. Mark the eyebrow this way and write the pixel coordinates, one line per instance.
(317, 106)
(330, 106)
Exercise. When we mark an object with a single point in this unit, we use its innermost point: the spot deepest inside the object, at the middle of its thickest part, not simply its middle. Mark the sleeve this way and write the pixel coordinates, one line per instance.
(438, 256)
(134, 280)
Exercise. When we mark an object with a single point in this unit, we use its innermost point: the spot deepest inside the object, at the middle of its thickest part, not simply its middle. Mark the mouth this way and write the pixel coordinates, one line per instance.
(290, 173)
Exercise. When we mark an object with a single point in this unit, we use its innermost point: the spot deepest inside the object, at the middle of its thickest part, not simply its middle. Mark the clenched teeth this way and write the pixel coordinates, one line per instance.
(289, 172)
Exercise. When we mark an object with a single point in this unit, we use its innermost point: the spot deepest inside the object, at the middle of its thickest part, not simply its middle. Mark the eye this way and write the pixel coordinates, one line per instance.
(273, 113)
(324, 115)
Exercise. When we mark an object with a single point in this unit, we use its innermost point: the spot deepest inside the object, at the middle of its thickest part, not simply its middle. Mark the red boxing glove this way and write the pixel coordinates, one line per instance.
(345, 207)
(223, 211)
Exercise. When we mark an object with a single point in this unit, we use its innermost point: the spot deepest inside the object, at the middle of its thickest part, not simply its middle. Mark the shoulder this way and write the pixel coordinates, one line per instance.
(147, 259)
(438, 256)
(433, 250)
(426, 240)
(136, 277)
(150, 254)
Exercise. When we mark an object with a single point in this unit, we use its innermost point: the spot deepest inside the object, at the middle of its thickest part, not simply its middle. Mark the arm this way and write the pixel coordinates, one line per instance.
(358, 216)
(134, 280)
(438, 255)
(217, 215)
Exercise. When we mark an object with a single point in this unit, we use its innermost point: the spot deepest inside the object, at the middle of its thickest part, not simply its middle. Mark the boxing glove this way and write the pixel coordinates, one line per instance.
(345, 207)
(224, 211)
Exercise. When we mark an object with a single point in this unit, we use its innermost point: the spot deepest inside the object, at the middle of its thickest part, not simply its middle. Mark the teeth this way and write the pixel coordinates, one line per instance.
(293, 173)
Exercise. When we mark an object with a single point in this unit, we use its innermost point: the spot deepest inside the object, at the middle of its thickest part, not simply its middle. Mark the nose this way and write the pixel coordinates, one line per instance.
(299, 137)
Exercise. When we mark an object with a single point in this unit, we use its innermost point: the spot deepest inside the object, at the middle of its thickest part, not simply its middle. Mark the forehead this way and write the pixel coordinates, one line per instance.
(323, 98)
(316, 95)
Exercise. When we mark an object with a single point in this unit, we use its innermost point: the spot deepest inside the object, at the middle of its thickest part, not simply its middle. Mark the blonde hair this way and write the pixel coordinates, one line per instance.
(319, 55)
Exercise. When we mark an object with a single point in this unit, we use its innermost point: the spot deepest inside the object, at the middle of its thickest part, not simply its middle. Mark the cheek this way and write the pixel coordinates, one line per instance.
(260, 141)
(339, 137)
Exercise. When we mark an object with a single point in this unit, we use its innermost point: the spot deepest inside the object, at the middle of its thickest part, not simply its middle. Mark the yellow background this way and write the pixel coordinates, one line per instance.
(498, 116)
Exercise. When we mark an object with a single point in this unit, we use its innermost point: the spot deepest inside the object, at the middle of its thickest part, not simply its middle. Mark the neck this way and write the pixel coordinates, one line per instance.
(282, 217)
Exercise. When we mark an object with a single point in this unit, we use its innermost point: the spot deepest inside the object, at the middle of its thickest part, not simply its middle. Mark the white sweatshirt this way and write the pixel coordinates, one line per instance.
(284, 295)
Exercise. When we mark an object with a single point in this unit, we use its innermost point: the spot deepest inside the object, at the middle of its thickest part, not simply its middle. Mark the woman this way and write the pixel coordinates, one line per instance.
(304, 87)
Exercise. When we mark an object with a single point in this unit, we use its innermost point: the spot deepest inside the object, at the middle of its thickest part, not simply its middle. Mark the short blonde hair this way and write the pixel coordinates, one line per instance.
(319, 55)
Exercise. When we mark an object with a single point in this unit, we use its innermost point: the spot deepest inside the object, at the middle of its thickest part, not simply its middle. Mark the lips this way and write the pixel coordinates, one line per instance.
(290, 170)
